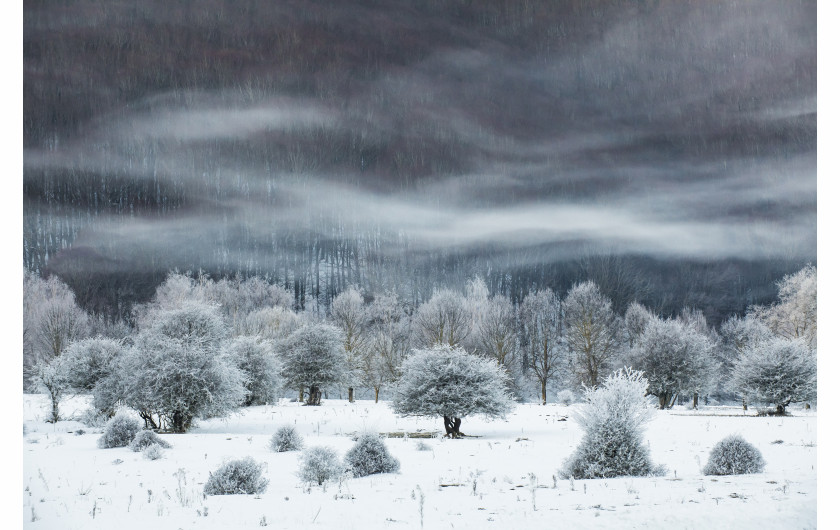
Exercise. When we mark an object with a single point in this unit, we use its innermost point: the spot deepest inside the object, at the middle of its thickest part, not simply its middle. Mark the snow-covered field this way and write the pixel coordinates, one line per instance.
(504, 478)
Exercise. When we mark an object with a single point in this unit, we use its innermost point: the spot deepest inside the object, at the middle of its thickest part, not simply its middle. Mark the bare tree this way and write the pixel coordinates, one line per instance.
(794, 316)
(592, 332)
(443, 320)
(348, 313)
(540, 317)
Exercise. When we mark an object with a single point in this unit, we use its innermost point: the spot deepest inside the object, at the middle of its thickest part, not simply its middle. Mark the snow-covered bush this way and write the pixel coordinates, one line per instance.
(612, 419)
(566, 397)
(261, 367)
(313, 357)
(286, 438)
(319, 465)
(153, 452)
(452, 383)
(734, 456)
(370, 456)
(147, 438)
(777, 371)
(237, 477)
(119, 431)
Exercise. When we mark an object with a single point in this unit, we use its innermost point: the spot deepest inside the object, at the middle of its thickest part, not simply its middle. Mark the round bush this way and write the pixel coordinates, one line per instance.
(285, 439)
(565, 397)
(153, 452)
(146, 438)
(237, 477)
(119, 431)
(734, 456)
(370, 456)
(319, 465)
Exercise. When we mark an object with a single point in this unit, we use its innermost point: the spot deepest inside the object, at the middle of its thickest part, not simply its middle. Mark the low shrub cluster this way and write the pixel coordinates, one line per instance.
(370, 456)
(145, 439)
(286, 439)
(119, 431)
(235, 477)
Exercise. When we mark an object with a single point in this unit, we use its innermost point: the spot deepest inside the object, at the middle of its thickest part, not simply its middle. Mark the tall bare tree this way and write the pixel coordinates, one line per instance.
(541, 324)
(592, 332)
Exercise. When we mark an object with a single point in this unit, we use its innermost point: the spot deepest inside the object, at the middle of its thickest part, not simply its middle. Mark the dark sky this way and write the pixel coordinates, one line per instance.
(673, 129)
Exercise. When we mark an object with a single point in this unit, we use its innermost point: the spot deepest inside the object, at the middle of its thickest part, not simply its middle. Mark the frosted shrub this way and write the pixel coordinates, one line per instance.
(153, 452)
(319, 465)
(565, 397)
(734, 456)
(119, 431)
(370, 456)
(237, 477)
(145, 439)
(612, 419)
(92, 417)
(286, 439)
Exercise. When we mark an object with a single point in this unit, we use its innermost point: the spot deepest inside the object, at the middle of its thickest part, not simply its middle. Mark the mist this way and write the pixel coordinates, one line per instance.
(673, 131)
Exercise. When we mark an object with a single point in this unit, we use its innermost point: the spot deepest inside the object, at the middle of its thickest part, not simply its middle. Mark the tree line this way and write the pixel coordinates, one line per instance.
(241, 342)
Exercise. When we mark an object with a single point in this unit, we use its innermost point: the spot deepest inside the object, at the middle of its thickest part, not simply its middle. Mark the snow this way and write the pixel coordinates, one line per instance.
(485, 481)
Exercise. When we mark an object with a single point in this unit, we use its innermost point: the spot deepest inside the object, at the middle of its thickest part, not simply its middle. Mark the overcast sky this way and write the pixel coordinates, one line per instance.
(684, 130)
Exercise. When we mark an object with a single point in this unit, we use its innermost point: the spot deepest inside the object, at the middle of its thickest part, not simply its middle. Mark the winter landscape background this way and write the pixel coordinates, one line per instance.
(419, 234)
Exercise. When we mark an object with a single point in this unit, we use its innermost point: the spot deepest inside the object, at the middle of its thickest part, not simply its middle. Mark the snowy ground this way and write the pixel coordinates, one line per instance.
(482, 482)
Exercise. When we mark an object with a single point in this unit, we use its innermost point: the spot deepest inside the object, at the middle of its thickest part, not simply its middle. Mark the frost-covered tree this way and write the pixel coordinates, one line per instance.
(496, 332)
(449, 382)
(312, 358)
(51, 379)
(178, 371)
(349, 315)
(237, 298)
(675, 358)
(51, 321)
(592, 332)
(695, 320)
(260, 366)
(636, 319)
(779, 371)
(91, 360)
(737, 334)
(613, 419)
(389, 340)
(794, 316)
(275, 323)
(541, 325)
(443, 319)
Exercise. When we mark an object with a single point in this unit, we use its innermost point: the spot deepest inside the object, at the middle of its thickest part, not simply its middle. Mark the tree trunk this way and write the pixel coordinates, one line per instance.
(452, 426)
(300, 395)
(179, 422)
(696, 397)
(350, 394)
(663, 400)
(744, 402)
(542, 387)
(376, 394)
(673, 400)
(780, 410)
(314, 396)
